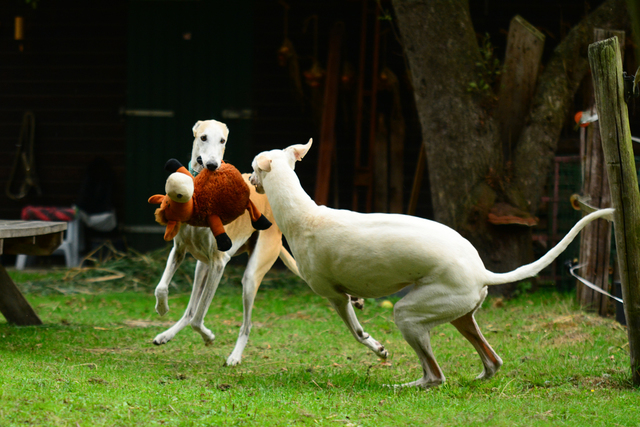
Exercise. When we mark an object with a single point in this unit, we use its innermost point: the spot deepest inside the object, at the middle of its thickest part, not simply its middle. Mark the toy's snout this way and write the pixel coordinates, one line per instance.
(179, 187)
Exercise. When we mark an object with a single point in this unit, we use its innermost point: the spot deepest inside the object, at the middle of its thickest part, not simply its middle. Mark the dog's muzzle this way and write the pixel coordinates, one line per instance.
(255, 181)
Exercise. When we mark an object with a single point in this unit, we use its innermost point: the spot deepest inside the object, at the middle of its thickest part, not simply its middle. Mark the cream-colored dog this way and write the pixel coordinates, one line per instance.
(264, 248)
(339, 252)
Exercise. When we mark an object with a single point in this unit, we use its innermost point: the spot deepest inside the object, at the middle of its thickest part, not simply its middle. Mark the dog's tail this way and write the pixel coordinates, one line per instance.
(535, 267)
(288, 260)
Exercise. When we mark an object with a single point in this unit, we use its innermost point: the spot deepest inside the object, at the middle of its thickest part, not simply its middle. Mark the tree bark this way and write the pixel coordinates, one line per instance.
(462, 137)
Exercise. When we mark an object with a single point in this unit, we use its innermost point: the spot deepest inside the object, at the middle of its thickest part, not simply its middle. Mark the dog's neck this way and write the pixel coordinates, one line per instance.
(289, 202)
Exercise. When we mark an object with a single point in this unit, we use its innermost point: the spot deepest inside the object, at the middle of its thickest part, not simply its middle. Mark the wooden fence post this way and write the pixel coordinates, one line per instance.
(606, 69)
(595, 239)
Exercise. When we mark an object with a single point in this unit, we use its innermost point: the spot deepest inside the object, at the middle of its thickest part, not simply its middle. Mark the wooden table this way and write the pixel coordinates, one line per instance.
(30, 238)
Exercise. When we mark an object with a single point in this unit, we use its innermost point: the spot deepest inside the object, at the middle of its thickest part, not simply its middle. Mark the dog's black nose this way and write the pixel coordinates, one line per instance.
(212, 166)
(199, 160)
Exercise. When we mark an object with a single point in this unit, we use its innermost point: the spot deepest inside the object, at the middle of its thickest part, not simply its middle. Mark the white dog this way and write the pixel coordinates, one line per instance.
(264, 247)
(339, 252)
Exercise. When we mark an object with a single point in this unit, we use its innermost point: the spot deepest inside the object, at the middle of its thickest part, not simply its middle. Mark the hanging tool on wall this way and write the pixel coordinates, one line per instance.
(24, 160)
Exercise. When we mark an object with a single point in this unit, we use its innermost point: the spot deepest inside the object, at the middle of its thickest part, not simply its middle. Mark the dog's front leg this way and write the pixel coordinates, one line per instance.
(261, 259)
(176, 256)
(343, 307)
(216, 268)
(199, 279)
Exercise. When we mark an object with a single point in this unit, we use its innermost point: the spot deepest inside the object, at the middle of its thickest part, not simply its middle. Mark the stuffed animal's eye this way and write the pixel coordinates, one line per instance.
(203, 137)
(222, 141)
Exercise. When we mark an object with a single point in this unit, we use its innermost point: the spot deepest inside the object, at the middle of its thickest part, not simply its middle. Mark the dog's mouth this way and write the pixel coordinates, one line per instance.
(253, 179)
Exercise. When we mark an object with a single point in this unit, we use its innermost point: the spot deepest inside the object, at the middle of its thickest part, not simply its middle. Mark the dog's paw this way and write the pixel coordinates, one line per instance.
(161, 339)
(357, 303)
(162, 307)
(233, 361)
(207, 336)
(162, 301)
(262, 223)
(383, 352)
(224, 242)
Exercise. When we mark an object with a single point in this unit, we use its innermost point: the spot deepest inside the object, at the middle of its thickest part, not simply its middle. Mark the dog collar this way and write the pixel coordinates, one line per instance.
(191, 171)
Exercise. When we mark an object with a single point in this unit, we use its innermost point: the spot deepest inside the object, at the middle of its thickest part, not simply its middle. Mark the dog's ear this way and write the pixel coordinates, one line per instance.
(225, 130)
(299, 151)
(264, 163)
(196, 126)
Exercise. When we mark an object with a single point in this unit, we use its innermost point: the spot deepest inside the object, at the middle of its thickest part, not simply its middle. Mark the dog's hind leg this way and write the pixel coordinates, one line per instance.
(216, 268)
(176, 256)
(199, 280)
(415, 315)
(342, 305)
(261, 258)
(419, 338)
(469, 329)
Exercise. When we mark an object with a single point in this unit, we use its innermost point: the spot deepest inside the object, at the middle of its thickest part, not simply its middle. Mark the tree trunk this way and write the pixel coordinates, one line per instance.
(462, 138)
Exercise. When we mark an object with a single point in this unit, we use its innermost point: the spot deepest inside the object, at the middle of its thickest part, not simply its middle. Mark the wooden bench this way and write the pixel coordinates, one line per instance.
(30, 238)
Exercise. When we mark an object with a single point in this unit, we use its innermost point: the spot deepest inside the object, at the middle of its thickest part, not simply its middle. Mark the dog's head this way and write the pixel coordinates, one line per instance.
(265, 161)
(210, 140)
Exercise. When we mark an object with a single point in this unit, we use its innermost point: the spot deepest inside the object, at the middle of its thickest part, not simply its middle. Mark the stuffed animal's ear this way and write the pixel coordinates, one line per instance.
(196, 126)
(172, 230)
(299, 151)
(264, 163)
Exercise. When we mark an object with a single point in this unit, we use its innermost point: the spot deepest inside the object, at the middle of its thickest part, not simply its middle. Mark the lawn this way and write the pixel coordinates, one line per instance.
(92, 363)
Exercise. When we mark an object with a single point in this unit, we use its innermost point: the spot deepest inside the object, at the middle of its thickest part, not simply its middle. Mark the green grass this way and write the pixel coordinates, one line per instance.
(93, 364)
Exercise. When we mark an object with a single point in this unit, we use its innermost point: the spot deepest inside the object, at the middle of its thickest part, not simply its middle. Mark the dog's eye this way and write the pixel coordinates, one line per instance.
(203, 137)
(222, 141)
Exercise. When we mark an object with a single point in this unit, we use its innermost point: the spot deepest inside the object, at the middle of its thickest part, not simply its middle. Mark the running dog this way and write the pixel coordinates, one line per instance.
(341, 253)
(264, 247)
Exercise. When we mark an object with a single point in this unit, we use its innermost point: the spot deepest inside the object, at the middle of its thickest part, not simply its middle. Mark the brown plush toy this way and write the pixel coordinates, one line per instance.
(214, 199)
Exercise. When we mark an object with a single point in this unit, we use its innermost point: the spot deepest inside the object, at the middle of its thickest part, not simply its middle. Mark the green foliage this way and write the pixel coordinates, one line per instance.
(522, 288)
(488, 69)
(93, 363)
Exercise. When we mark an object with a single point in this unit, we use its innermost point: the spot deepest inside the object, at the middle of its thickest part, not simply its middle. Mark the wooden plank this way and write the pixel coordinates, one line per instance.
(397, 131)
(363, 167)
(522, 62)
(327, 131)
(381, 166)
(13, 305)
(17, 228)
(417, 180)
(606, 70)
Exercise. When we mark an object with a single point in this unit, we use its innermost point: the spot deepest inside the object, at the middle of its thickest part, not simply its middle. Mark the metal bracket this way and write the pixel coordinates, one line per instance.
(631, 85)
(579, 203)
